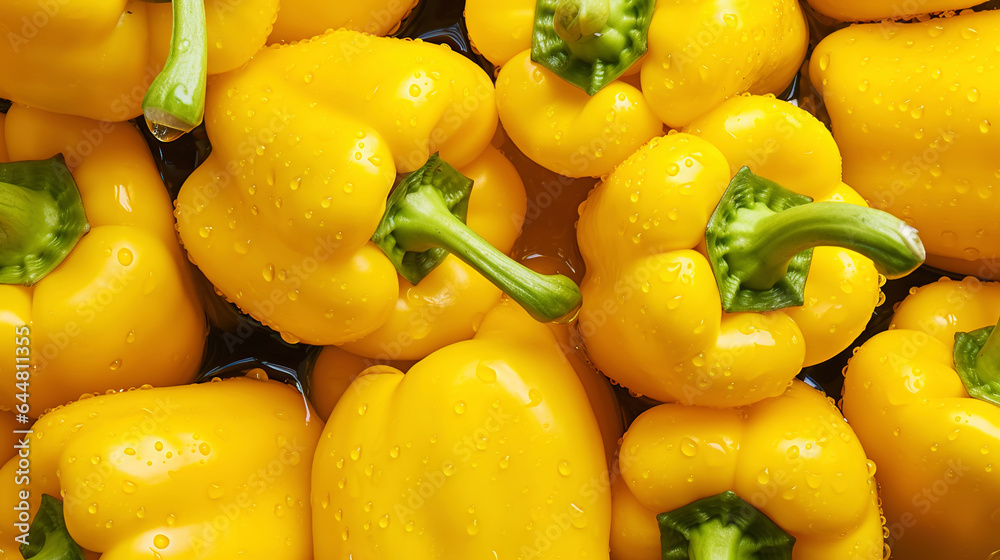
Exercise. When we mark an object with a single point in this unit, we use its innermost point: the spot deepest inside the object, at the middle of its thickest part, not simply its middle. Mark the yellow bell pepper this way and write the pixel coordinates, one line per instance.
(715, 309)
(160, 473)
(699, 54)
(433, 463)
(875, 10)
(335, 369)
(907, 394)
(784, 473)
(100, 58)
(288, 216)
(302, 19)
(914, 120)
(121, 310)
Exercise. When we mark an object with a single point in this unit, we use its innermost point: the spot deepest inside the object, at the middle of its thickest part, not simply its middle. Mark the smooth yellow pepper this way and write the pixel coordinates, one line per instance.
(792, 461)
(434, 463)
(281, 215)
(874, 10)
(200, 471)
(335, 369)
(654, 318)
(936, 447)
(699, 54)
(98, 58)
(121, 310)
(911, 112)
(303, 19)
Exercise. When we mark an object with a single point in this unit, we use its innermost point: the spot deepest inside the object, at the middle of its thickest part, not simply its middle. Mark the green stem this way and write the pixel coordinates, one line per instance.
(714, 540)
(41, 219)
(772, 241)
(722, 527)
(589, 43)
(48, 537)
(175, 102)
(423, 222)
(760, 237)
(977, 361)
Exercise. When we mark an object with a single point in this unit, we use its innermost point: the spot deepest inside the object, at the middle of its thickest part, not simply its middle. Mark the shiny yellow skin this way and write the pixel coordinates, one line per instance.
(500, 30)
(704, 52)
(335, 369)
(122, 307)
(913, 119)
(652, 318)
(700, 53)
(139, 464)
(875, 10)
(936, 447)
(560, 127)
(280, 215)
(95, 58)
(434, 463)
(303, 19)
(793, 457)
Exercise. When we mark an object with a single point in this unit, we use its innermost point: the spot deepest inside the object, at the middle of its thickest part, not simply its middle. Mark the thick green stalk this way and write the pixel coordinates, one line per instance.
(175, 102)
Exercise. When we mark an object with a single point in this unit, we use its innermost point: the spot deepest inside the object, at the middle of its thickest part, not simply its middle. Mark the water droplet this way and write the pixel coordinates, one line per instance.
(792, 452)
(689, 446)
(125, 257)
(564, 468)
(356, 453)
(460, 408)
(473, 528)
(534, 398)
(161, 541)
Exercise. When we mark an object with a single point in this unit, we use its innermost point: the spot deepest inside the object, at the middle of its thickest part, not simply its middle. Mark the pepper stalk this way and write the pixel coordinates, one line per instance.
(424, 220)
(48, 538)
(722, 527)
(760, 239)
(175, 102)
(977, 361)
(589, 43)
(41, 218)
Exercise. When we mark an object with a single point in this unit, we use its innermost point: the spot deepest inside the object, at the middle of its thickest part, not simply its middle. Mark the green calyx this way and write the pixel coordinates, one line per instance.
(722, 527)
(977, 361)
(761, 235)
(41, 219)
(424, 220)
(589, 43)
(48, 538)
(175, 102)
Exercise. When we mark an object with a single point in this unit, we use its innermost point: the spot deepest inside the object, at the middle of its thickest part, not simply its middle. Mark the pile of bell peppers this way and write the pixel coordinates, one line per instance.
(589, 279)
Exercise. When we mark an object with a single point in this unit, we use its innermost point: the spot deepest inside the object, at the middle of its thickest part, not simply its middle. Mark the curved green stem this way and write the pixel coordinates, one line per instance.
(41, 219)
(589, 43)
(424, 221)
(48, 538)
(722, 527)
(977, 361)
(760, 235)
(175, 102)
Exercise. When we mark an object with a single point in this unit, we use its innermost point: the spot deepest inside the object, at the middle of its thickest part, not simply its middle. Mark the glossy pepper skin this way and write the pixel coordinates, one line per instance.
(279, 218)
(934, 445)
(875, 10)
(914, 123)
(121, 310)
(698, 56)
(431, 464)
(99, 57)
(793, 457)
(303, 19)
(652, 319)
(335, 369)
(161, 470)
